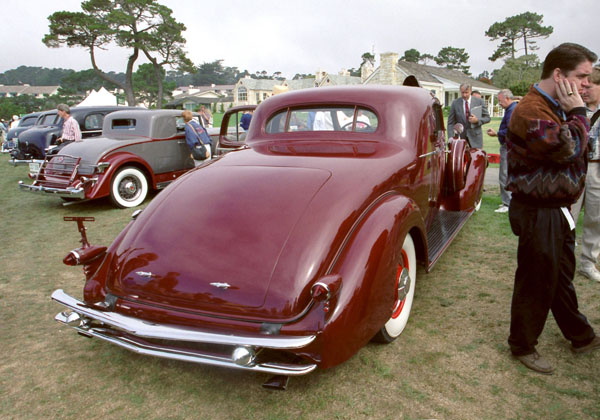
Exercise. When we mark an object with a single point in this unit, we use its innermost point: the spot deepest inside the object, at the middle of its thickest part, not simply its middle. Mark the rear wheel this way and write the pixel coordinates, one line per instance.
(129, 187)
(406, 275)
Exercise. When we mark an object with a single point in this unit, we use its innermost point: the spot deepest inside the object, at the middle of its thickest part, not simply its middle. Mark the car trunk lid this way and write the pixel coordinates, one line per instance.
(198, 248)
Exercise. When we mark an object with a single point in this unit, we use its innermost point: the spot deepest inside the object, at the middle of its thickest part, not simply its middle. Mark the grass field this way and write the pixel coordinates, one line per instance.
(490, 144)
(452, 361)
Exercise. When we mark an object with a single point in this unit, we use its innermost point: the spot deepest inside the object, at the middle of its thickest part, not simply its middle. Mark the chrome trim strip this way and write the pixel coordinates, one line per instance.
(157, 331)
(63, 192)
(435, 152)
(151, 349)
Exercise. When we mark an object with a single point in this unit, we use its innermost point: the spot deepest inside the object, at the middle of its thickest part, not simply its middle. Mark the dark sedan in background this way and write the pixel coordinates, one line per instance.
(33, 143)
(27, 121)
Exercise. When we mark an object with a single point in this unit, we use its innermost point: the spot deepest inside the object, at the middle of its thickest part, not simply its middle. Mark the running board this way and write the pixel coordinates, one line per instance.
(444, 228)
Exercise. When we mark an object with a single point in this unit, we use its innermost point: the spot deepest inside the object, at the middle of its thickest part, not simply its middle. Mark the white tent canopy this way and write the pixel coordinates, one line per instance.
(100, 97)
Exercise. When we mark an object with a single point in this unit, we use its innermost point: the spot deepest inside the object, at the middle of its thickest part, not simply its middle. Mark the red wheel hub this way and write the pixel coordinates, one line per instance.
(402, 285)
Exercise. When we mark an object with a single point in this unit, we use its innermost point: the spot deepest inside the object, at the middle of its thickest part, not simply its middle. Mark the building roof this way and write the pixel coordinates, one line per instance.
(300, 83)
(450, 79)
(442, 75)
(181, 99)
(200, 89)
(258, 84)
(28, 90)
(338, 79)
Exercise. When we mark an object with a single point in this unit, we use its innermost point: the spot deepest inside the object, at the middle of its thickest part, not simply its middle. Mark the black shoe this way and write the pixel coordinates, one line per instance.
(592, 345)
(536, 362)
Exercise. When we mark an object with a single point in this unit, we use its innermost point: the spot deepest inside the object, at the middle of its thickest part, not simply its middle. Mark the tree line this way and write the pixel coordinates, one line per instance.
(147, 28)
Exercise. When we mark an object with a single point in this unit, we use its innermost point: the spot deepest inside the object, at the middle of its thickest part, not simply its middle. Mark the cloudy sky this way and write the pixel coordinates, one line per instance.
(303, 36)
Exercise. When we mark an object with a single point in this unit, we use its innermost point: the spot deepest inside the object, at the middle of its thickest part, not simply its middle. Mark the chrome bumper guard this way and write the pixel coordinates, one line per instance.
(130, 333)
(19, 162)
(62, 192)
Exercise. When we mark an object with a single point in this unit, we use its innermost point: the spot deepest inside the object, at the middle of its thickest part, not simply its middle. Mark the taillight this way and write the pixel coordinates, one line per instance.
(326, 289)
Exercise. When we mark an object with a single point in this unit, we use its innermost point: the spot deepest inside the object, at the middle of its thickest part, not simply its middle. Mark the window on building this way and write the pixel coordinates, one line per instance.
(242, 94)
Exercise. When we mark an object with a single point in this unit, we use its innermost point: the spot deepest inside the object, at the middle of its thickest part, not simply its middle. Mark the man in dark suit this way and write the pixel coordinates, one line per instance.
(472, 113)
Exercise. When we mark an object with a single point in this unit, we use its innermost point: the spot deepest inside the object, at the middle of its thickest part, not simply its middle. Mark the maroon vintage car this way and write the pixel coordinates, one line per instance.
(294, 251)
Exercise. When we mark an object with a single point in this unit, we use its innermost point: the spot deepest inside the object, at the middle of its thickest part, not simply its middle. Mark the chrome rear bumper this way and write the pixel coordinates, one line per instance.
(134, 334)
(62, 192)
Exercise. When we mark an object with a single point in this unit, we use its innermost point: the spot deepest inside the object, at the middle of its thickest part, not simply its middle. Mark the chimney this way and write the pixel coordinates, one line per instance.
(366, 70)
(388, 75)
(319, 76)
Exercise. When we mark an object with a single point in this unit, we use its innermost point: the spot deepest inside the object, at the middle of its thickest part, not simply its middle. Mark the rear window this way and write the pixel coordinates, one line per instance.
(93, 122)
(341, 118)
(123, 124)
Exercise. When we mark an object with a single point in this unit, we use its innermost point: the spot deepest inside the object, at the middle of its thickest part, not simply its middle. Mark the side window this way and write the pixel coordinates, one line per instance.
(51, 119)
(93, 122)
(180, 124)
(276, 123)
(235, 130)
(25, 122)
(123, 124)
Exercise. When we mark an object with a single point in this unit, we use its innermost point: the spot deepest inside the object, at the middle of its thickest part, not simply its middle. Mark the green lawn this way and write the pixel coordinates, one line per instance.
(490, 144)
(451, 362)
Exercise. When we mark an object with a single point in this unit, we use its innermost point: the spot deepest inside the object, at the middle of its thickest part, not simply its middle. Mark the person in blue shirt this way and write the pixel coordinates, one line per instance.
(194, 134)
(506, 101)
(245, 120)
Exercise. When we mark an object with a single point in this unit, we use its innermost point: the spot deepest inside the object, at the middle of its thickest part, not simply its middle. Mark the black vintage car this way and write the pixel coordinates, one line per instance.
(32, 143)
(27, 121)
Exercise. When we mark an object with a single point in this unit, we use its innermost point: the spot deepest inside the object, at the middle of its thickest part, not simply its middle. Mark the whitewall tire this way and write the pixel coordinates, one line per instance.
(129, 187)
(404, 291)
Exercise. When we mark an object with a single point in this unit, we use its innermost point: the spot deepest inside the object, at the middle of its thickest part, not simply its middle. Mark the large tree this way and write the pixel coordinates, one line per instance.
(365, 57)
(215, 73)
(81, 82)
(414, 56)
(138, 25)
(453, 58)
(163, 45)
(525, 26)
(518, 74)
(148, 89)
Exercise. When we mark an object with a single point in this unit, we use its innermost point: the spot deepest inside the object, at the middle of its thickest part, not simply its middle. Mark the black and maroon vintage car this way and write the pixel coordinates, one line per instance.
(138, 150)
(296, 250)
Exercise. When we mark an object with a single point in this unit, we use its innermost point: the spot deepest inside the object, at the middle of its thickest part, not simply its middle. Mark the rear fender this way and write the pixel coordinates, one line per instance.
(367, 268)
(118, 160)
(467, 198)
(94, 290)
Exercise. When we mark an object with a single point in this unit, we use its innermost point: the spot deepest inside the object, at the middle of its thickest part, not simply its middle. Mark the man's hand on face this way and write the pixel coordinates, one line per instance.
(568, 95)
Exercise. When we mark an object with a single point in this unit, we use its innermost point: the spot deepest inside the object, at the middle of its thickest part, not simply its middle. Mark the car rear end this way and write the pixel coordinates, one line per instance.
(61, 175)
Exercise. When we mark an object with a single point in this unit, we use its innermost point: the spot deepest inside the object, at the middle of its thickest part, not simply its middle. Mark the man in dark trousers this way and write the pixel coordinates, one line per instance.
(506, 101)
(547, 148)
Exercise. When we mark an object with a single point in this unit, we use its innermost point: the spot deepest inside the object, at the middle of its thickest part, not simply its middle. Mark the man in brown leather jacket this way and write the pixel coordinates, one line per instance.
(547, 143)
